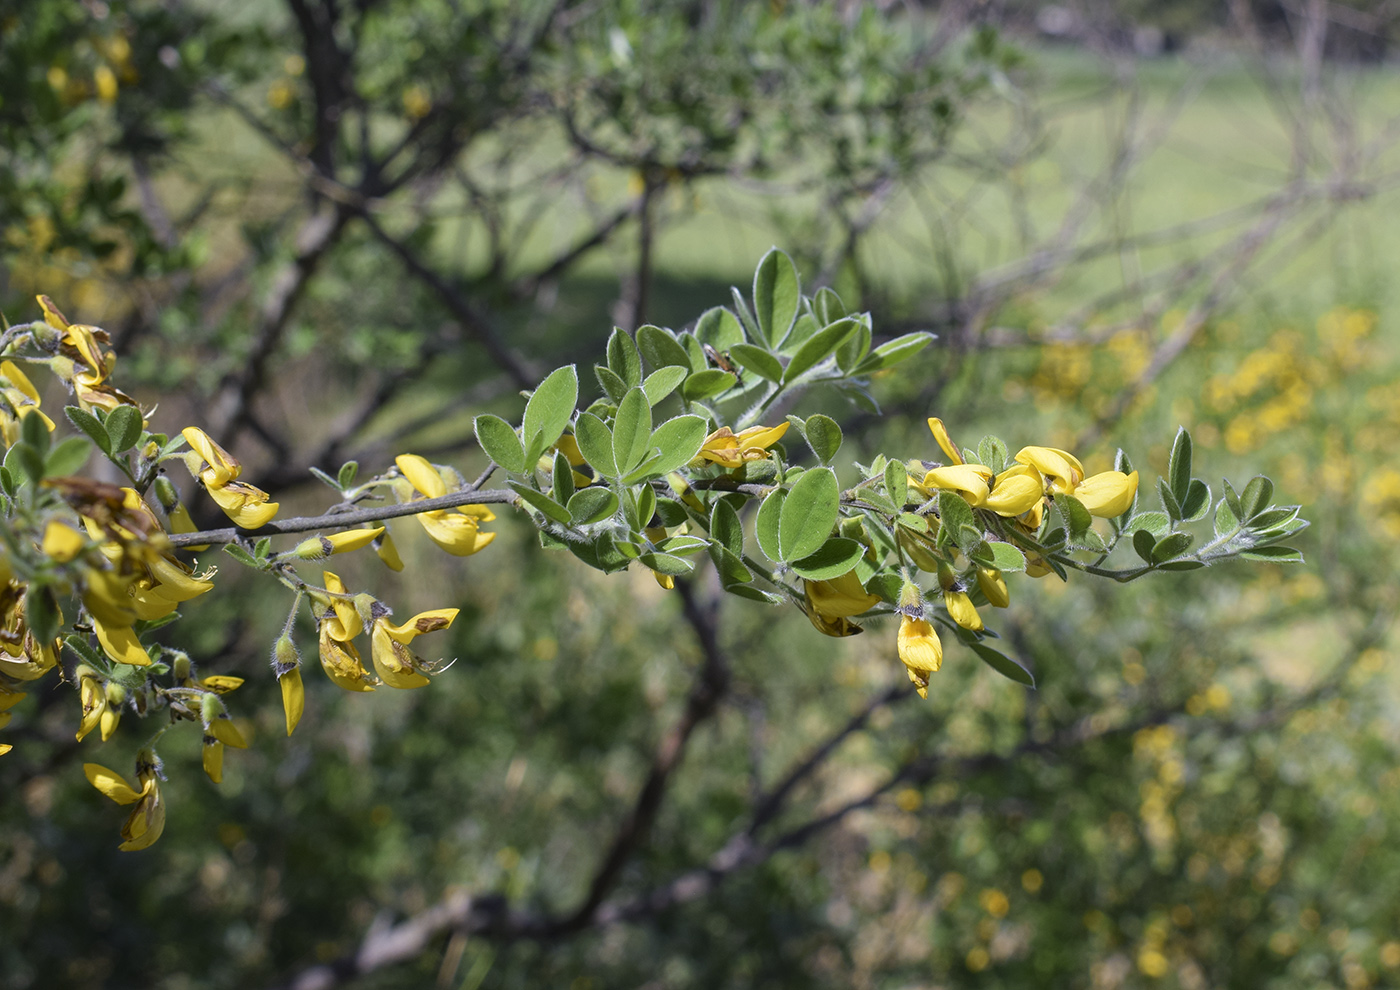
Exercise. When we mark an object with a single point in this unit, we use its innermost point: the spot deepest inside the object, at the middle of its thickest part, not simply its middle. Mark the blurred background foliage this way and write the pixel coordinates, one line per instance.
(326, 229)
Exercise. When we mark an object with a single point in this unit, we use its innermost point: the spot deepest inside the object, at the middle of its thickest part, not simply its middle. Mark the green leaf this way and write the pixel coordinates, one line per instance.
(1143, 544)
(956, 516)
(660, 348)
(1274, 517)
(35, 432)
(1003, 664)
(704, 384)
(749, 324)
(1169, 547)
(776, 296)
(877, 500)
(66, 458)
(664, 563)
(1122, 463)
(853, 351)
(1197, 502)
(808, 514)
(891, 353)
(262, 548)
(816, 350)
(1233, 500)
(992, 452)
(90, 425)
(624, 361)
(731, 568)
(40, 607)
(610, 382)
(25, 462)
(1273, 555)
(124, 427)
(549, 411)
(595, 443)
(671, 513)
(1181, 565)
(832, 559)
(1168, 498)
(827, 306)
(85, 652)
(1005, 557)
(1179, 466)
(800, 333)
(754, 594)
(757, 360)
(660, 384)
(768, 521)
(345, 477)
(676, 441)
(683, 546)
(719, 328)
(1255, 497)
(500, 442)
(1077, 518)
(602, 554)
(897, 482)
(694, 350)
(823, 436)
(632, 430)
(542, 502)
(242, 556)
(1156, 523)
(1225, 520)
(725, 527)
(8, 482)
(562, 476)
(591, 505)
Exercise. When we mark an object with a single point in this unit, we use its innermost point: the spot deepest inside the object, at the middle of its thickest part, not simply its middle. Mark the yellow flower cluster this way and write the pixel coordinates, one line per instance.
(1020, 492)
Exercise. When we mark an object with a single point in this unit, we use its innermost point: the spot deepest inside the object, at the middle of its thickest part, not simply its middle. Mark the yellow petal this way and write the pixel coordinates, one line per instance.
(246, 505)
(840, 597)
(120, 643)
(94, 703)
(221, 683)
(223, 466)
(346, 624)
(111, 718)
(341, 662)
(223, 729)
(113, 784)
(422, 475)
(1016, 490)
(1109, 494)
(393, 661)
(352, 539)
(1061, 467)
(940, 433)
(838, 627)
(993, 586)
(423, 622)
(666, 581)
(389, 553)
(62, 542)
(214, 758)
(969, 479)
(18, 379)
(458, 534)
(961, 609)
(146, 823)
(293, 697)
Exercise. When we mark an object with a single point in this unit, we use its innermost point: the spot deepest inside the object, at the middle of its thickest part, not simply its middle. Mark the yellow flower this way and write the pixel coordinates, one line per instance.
(147, 819)
(93, 696)
(343, 623)
(920, 650)
(213, 758)
(730, 450)
(247, 505)
(341, 661)
(320, 547)
(395, 663)
(21, 398)
(293, 697)
(831, 603)
(61, 542)
(456, 530)
(388, 552)
(112, 712)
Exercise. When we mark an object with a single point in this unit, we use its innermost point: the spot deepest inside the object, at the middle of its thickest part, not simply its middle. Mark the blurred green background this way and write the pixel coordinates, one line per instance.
(327, 230)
